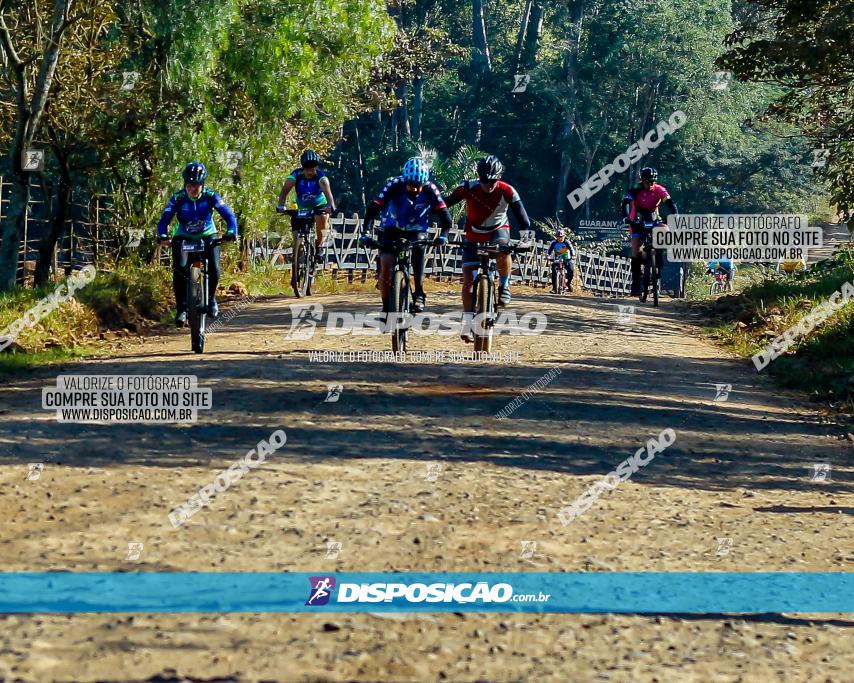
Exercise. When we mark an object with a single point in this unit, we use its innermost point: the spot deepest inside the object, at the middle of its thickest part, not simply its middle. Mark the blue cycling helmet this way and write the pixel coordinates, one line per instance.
(195, 172)
(416, 171)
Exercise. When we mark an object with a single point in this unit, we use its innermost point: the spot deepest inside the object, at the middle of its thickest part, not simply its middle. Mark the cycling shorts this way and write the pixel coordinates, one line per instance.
(643, 231)
(497, 236)
(390, 234)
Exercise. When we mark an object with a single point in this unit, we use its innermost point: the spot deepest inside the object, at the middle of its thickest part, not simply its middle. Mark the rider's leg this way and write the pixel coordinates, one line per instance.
(386, 267)
(418, 264)
(554, 277)
(214, 274)
(321, 221)
(570, 273)
(636, 265)
(468, 301)
(179, 279)
(505, 265)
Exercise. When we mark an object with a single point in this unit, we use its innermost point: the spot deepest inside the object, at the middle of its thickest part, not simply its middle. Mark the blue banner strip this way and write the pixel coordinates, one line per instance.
(628, 592)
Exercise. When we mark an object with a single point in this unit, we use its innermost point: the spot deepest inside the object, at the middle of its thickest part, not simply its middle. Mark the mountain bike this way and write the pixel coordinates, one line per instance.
(561, 277)
(399, 300)
(198, 294)
(721, 284)
(304, 251)
(485, 288)
(651, 259)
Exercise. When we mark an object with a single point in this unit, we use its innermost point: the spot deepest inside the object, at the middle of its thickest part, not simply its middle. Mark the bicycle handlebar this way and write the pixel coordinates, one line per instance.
(504, 248)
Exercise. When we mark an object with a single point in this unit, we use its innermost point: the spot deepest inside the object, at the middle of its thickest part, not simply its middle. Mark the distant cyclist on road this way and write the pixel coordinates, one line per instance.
(563, 251)
(194, 207)
(313, 191)
(641, 205)
(406, 203)
(725, 265)
(487, 201)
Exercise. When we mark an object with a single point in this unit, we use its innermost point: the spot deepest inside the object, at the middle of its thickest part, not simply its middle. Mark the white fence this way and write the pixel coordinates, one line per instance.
(597, 273)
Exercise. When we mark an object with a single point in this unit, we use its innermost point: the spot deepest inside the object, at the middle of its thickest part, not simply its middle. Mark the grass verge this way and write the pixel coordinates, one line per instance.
(820, 363)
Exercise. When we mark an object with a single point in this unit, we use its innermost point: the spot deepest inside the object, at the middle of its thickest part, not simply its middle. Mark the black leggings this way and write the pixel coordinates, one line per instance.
(179, 270)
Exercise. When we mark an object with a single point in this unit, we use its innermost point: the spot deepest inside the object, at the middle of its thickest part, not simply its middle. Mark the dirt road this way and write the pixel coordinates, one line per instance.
(736, 492)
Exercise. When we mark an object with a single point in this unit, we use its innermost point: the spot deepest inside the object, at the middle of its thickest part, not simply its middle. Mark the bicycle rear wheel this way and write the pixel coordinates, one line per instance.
(484, 313)
(196, 300)
(399, 305)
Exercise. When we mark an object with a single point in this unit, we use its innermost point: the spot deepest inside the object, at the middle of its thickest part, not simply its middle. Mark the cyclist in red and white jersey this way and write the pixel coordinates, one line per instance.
(487, 200)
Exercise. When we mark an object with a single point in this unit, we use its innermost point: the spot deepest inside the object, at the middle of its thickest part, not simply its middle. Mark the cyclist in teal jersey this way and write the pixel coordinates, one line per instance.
(312, 189)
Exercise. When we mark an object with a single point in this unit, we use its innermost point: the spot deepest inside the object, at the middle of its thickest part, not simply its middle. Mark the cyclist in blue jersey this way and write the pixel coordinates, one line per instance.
(313, 191)
(194, 207)
(406, 203)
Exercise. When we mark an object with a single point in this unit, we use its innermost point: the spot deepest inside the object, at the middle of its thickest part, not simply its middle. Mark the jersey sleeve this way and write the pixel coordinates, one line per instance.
(293, 175)
(437, 202)
(662, 192)
(225, 211)
(510, 194)
(387, 192)
(167, 216)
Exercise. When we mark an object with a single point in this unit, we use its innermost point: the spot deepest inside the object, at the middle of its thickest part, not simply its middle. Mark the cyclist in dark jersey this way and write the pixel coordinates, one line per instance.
(406, 203)
(312, 189)
(639, 205)
(194, 207)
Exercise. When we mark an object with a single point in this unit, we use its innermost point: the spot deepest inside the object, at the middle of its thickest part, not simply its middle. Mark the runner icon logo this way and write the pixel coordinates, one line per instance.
(724, 546)
(321, 590)
(433, 471)
(333, 393)
(304, 321)
(722, 392)
(821, 472)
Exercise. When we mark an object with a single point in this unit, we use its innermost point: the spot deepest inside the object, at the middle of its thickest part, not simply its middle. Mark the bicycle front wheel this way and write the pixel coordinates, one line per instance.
(303, 265)
(399, 305)
(484, 314)
(197, 311)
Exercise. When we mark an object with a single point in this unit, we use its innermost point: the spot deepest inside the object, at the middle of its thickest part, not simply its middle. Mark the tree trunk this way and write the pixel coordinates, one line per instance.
(574, 40)
(520, 37)
(535, 31)
(28, 115)
(417, 106)
(47, 247)
(480, 47)
(360, 165)
(402, 110)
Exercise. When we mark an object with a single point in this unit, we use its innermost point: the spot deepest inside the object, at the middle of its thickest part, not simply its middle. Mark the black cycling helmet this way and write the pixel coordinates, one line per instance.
(489, 168)
(649, 173)
(195, 172)
(309, 158)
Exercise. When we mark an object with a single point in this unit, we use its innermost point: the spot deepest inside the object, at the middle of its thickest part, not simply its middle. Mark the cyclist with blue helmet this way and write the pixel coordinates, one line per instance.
(313, 191)
(194, 207)
(406, 203)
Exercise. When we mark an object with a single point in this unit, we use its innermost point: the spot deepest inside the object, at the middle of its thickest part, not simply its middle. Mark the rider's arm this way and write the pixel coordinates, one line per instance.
(551, 247)
(518, 209)
(371, 214)
(627, 205)
(168, 214)
(286, 188)
(445, 221)
(456, 196)
(327, 191)
(227, 214)
(671, 205)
